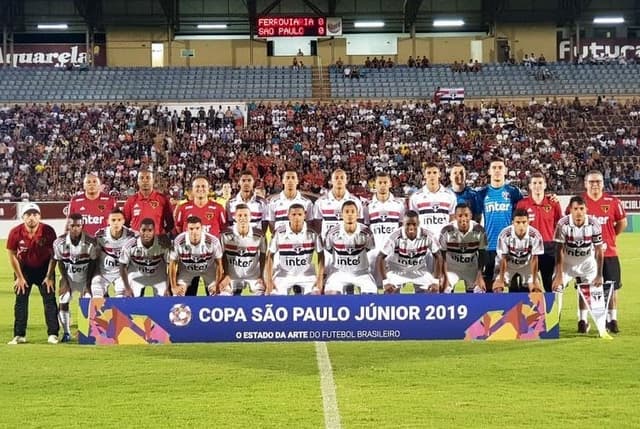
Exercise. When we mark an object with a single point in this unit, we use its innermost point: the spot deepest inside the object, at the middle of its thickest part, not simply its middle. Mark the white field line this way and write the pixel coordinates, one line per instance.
(328, 387)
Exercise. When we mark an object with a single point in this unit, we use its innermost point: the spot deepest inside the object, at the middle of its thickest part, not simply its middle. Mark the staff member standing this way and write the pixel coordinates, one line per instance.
(148, 203)
(30, 247)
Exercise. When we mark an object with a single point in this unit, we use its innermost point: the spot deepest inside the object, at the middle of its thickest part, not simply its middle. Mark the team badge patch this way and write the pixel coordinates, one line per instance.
(605, 208)
(101, 207)
(154, 204)
(546, 208)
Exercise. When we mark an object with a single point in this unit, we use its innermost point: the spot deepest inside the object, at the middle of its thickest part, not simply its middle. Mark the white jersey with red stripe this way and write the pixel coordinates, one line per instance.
(518, 251)
(278, 210)
(410, 258)
(579, 241)
(328, 209)
(75, 258)
(241, 253)
(349, 251)
(145, 261)
(462, 247)
(434, 208)
(196, 257)
(109, 249)
(294, 251)
(256, 204)
(384, 217)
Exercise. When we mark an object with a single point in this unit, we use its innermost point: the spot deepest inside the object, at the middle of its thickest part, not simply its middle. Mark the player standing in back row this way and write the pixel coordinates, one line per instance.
(497, 200)
(613, 220)
(92, 204)
(434, 203)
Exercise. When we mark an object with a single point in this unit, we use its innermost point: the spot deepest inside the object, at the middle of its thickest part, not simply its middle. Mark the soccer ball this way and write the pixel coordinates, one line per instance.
(180, 315)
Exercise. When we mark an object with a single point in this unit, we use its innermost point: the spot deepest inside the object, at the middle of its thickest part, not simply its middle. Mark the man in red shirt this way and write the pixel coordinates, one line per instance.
(544, 215)
(613, 219)
(30, 248)
(209, 212)
(92, 204)
(148, 203)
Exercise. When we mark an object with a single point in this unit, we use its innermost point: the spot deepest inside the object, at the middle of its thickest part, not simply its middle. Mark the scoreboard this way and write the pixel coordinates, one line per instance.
(291, 26)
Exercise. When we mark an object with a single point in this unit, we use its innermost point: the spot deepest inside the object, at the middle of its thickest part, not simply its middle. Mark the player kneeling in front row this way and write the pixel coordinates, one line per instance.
(579, 253)
(110, 240)
(517, 253)
(412, 255)
(143, 262)
(243, 257)
(76, 254)
(463, 244)
(348, 244)
(292, 247)
(195, 254)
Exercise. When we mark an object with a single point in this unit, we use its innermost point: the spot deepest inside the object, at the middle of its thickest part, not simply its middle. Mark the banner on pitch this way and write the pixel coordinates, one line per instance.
(164, 320)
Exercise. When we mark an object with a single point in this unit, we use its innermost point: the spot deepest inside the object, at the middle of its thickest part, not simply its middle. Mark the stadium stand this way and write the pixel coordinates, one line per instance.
(495, 80)
(46, 149)
(146, 83)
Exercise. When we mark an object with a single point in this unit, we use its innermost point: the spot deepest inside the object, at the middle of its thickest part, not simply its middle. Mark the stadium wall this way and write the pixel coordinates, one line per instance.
(132, 47)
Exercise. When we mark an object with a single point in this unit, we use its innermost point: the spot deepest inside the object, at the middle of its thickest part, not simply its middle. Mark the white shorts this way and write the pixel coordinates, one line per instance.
(237, 286)
(185, 277)
(77, 286)
(587, 271)
(283, 285)
(100, 285)
(337, 281)
(468, 277)
(400, 279)
(138, 283)
(525, 274)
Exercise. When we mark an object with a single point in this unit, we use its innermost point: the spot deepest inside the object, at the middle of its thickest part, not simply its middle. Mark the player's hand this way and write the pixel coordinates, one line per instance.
(389, 288)
(481, 284)
(212, 288)
(434, 288)
(21, 286)
(317, 290)
(553, 197)
(598, 281)
(86, 293)
(64, 287)
(498, 285)
(557, 285)
(535, 287)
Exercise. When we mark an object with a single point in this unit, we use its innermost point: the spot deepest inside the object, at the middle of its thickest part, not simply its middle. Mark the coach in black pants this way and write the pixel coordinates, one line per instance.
(30, 248)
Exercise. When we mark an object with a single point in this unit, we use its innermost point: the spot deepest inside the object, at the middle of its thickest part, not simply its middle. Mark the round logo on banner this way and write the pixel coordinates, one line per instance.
(180, 315)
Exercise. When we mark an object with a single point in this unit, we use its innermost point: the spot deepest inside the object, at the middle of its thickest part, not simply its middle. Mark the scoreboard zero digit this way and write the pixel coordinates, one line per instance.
(287, 26)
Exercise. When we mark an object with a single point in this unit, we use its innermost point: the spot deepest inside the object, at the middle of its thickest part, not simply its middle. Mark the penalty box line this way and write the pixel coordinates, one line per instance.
(328, 387)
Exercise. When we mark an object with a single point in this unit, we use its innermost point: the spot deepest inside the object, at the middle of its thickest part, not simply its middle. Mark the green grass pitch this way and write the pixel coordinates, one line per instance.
(575, 382)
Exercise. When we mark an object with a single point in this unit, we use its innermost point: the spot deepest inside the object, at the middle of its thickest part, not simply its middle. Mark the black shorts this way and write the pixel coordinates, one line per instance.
(611, 271)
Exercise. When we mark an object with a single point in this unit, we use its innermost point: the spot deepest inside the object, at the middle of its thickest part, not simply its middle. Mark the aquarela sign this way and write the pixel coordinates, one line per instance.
(52, 55)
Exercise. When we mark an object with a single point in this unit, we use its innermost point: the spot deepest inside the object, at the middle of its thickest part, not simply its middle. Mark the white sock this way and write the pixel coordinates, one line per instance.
(65, 321)
(612, 315)
(584, 314)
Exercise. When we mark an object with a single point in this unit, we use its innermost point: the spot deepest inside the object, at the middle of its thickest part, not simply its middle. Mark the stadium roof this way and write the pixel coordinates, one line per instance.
(183, 16)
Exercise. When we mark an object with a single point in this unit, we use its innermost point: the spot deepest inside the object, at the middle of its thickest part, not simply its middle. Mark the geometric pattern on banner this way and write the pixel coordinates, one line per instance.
(111, 326)
(524, 321)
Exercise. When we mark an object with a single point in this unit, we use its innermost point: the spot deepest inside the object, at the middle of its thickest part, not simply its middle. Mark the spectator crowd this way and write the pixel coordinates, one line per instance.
(46, 150)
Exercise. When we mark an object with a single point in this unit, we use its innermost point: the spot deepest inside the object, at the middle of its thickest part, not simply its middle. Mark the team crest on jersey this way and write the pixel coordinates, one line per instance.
(101, 207)
(297, 249)
(505, 195)
(338, 213)
(605, 208)
(350, 250)
(411, 253)
(383, 216)
(242, 251)
(463, 247)
(209, 215)
(435, 207)
(546, 208)
(579, 242)
(154, 204)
